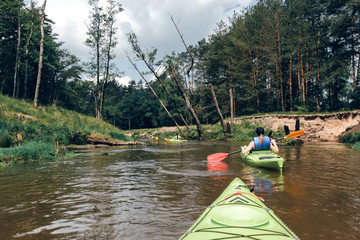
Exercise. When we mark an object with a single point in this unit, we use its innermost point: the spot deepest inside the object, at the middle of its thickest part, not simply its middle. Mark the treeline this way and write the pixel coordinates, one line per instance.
(297, 55)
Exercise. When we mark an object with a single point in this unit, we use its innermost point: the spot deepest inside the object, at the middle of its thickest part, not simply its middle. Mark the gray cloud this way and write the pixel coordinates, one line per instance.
(149, 20)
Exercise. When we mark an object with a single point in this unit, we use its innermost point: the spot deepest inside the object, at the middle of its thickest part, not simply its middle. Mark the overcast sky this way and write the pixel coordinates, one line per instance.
(148, 19)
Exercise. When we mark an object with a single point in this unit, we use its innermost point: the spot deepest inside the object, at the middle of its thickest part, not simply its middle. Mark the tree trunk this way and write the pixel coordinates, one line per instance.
(302, 77)
(299, 75)
(358, 71)
(253, 75)
(188, 50)
(190, 80)
(27, 51)
(17, 58)
(330, 100)
(218, 109)
(353, 58)
(318, 75)
(231, 99)
(188, 105)
(110, 43)
(290, 83)
(98, 79)
(231, 111)
(307, 73)
(280, 66)
(354, 71)
(184, 121)
(98, 104)
(277, 80)
(40, 55)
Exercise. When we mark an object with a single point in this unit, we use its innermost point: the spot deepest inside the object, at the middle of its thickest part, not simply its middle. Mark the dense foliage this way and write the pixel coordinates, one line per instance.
(291, 55)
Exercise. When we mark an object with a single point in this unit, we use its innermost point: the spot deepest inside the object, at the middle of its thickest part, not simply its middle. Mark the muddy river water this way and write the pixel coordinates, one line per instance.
(157, 191)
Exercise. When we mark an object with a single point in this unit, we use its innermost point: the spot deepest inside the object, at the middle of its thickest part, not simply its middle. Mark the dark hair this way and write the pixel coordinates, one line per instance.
(260, 132)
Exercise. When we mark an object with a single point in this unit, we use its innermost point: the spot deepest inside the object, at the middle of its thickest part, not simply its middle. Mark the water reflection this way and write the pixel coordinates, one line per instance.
(264, 183)
(218, 171)
(219, 167)
(157, 191)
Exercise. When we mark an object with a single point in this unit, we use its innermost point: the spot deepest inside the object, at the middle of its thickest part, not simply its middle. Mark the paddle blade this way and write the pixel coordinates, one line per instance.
(217, 157)
(295, 134)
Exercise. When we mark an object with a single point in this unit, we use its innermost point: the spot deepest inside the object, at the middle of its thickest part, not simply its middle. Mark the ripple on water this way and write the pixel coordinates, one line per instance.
(158, 191)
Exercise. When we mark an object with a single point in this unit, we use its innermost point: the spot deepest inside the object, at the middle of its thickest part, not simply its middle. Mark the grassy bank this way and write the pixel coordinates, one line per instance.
(27, 133)
(353, 140)
(241, 133)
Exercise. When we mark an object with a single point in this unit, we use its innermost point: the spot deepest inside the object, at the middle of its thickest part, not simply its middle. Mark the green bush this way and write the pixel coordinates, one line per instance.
(29, 151)
(77, 137)
(351, 138)
(5, 138)
(356, 146)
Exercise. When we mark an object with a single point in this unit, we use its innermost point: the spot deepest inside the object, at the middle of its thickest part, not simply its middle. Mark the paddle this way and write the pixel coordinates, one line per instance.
(222, 156)
(292, 135)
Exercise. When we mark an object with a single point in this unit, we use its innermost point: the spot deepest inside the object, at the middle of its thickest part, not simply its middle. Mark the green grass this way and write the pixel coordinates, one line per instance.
(49, 124)
(353, 140)
(29, 151)
(242, 133)
(24, 128)
(356, 146)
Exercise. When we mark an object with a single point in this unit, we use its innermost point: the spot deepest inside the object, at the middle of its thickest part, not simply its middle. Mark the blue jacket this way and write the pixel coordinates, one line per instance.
(264, 146)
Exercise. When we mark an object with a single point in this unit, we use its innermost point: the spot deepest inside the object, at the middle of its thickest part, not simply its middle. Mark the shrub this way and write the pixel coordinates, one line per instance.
(356, 146)
(5, 138)
(29, 151)
(351, 138)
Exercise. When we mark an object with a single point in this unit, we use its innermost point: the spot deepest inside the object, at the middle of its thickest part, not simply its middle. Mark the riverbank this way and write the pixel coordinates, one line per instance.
(343, 127)
(29, 133)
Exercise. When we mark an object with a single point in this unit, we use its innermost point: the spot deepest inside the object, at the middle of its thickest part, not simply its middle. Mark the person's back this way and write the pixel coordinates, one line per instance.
(261, 143)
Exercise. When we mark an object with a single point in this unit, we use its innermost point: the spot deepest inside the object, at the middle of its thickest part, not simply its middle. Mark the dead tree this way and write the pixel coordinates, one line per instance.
(142, 56)
(231, 111)
(218, 109)
(187, 101)
(186, 98)
(27, 50)
(157, 97)
(297, 125)
(190, 54)
(40, 55)
(17, 59)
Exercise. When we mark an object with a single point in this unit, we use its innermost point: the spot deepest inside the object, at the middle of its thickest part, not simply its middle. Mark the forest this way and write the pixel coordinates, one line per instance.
(274, 56)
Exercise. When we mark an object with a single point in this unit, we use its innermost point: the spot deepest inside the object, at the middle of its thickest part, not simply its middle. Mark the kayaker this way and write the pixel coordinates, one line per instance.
(261, 142)
(177, 136)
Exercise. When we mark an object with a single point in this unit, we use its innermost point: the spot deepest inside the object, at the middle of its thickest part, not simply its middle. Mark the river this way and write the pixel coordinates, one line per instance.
(157, 191)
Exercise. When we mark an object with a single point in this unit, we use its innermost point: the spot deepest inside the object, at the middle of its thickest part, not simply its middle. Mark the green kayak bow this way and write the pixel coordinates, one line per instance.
(238, 214)
(264, 158)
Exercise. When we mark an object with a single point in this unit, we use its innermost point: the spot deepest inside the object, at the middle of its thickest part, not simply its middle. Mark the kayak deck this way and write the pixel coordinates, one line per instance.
(265, 158)
(175, 140)
(238, 214)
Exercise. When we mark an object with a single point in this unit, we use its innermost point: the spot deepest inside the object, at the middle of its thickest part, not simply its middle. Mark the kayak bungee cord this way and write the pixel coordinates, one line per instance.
(240, 193)
(234, 235)
(238, 214)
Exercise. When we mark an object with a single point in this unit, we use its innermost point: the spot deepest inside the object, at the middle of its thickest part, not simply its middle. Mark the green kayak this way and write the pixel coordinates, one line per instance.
(238, 214)
(263, 158)
(175, 140)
